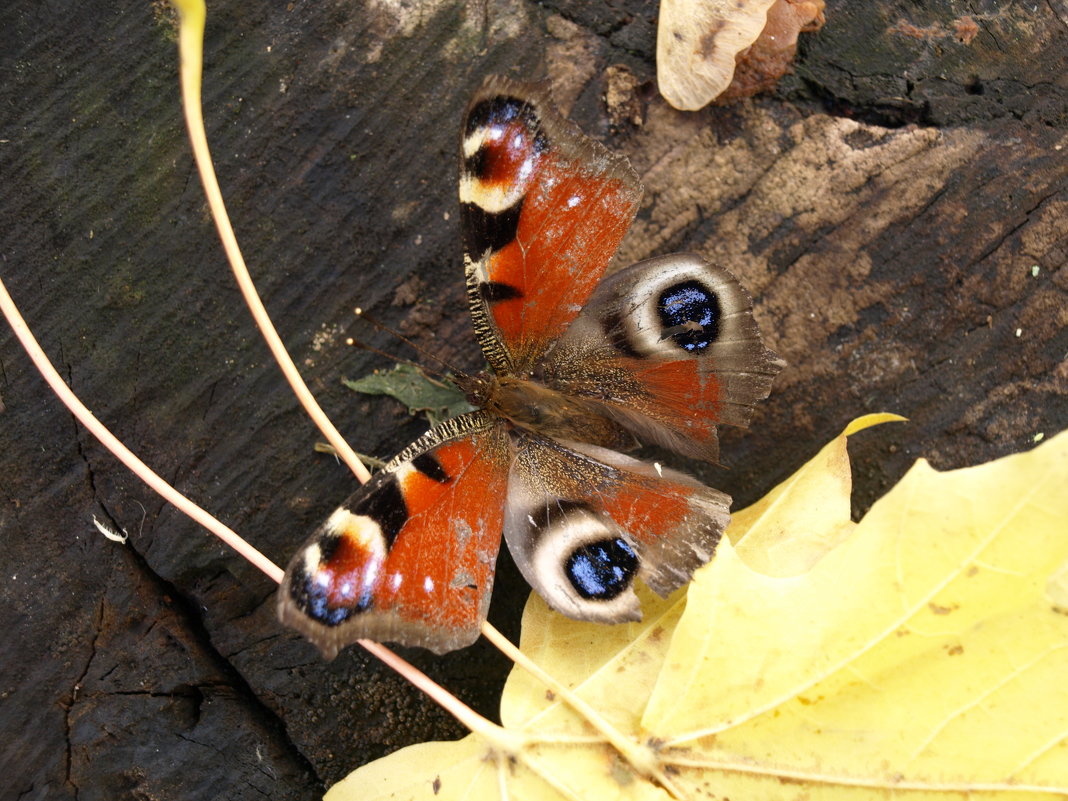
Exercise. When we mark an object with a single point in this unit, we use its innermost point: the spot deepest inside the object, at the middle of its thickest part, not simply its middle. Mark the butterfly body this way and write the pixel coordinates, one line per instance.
(531, 406)
(583, 365)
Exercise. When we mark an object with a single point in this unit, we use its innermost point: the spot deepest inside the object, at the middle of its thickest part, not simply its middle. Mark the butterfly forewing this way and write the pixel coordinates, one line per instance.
(410, 556)
(542, 210)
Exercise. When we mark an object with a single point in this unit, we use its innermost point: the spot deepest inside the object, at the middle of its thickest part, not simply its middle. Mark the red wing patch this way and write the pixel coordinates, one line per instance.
(665, 350)
(584, 522)
(569, 228)
(543, 210)
(674, 521)
(440, 567)
(669, 349)
(648, 508)
(677, 396)
(410, 557)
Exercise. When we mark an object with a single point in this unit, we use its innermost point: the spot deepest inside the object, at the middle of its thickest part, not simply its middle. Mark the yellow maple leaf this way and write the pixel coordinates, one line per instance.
(921, 653)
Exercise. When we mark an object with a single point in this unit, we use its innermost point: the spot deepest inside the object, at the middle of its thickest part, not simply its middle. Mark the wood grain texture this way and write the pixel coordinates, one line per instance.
(891, 266)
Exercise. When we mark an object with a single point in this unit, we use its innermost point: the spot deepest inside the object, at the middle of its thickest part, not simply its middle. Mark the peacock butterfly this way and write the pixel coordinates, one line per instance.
(582, 362)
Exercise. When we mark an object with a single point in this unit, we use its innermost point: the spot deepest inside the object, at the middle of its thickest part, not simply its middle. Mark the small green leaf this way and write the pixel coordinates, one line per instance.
(416, 390)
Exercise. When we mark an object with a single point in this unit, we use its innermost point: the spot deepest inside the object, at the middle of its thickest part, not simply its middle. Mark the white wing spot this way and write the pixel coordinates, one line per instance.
(428, 584)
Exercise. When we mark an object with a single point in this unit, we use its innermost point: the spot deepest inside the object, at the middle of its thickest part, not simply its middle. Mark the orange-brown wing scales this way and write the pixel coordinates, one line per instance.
(410, 557)
(669, 349)
(442, 562)
(645, 506)
(666, 350)
(543, 211)
(583, 522)
(676, 394)
(567, 232)
(675, 522)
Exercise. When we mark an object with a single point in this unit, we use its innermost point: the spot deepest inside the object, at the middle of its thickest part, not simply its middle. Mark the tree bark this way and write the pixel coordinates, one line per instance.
(897, 208)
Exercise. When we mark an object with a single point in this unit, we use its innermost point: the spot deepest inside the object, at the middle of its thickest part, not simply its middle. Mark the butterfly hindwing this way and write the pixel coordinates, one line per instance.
(583, 522)
(410, 556)
(668, 348)
(542, 211)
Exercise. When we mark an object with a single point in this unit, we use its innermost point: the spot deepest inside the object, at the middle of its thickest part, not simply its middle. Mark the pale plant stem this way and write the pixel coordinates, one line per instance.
(499, 737)
(439, 694)
(190, 47)
(124, 454)
(190, 39)
(641, 757)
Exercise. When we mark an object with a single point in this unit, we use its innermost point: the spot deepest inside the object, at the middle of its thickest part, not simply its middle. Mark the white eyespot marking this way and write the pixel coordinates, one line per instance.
(495, 198)
(478, 137)
(363, 530)
(370, 577)
(486, 135)
(573, 201)
(428, 585)
(549, 561)
(533, 522)
(397, 580)
(403, 472)
(312, 556)
(646, 333)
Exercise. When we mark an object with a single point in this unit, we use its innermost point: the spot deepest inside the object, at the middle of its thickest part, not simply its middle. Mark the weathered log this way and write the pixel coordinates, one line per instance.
(916, 268)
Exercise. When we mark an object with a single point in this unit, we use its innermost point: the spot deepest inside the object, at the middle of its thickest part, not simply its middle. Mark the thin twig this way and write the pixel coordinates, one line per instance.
(124, 454)
(641, 757)
(190, 48)
(417, 678)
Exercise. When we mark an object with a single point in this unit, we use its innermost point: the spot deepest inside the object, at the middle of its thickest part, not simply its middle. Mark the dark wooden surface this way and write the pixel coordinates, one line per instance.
(893, 267)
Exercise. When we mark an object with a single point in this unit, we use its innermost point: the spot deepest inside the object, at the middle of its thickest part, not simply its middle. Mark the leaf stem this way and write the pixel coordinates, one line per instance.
(499, 737)
(124, 454)
(877, 782)
(191, 52)
(642, 757)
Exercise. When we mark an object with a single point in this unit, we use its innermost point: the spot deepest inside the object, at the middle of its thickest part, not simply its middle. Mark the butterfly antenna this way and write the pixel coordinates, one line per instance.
(448, 368)
(357, 343)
